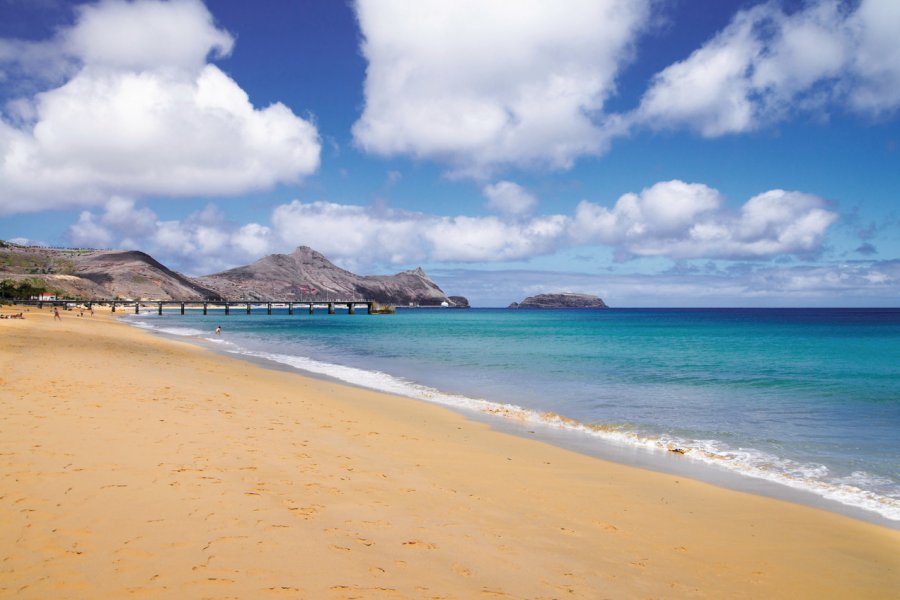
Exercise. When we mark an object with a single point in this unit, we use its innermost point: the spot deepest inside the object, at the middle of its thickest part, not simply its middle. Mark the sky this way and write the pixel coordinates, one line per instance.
(653, 152)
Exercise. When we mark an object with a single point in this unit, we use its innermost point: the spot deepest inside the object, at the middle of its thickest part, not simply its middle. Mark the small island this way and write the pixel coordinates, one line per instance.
(561, 300)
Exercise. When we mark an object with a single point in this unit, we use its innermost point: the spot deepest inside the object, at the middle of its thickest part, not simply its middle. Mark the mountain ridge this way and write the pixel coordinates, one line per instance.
(308, 274)
(132, 274)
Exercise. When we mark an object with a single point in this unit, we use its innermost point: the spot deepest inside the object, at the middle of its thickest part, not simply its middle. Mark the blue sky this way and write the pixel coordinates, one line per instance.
(653, 152)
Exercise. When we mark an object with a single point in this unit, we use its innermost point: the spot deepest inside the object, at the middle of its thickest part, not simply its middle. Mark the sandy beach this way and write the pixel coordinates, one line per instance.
(133, 465)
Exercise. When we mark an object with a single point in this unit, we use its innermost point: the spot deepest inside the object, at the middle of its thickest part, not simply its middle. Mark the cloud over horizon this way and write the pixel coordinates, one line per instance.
(671, 219)
(141, 112)
(761, 284)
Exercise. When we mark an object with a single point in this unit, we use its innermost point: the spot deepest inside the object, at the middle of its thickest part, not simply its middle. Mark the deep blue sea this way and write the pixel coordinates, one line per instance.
(808, 398)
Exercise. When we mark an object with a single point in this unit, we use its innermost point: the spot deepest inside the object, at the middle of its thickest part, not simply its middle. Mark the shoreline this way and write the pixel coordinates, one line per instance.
(135, 462)
(557, 430)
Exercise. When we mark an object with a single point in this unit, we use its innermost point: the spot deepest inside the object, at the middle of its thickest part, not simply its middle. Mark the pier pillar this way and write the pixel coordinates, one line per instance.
(248, 308)
(351, 309)
(182, 308)
(227, 312)
(269, 308)
(204, 309)
(137, 308)
(160, 308)
(290, 308)
(368, 308)
(331, 308)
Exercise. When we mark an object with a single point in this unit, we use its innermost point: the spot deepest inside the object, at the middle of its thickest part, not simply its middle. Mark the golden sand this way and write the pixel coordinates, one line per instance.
(131, 465)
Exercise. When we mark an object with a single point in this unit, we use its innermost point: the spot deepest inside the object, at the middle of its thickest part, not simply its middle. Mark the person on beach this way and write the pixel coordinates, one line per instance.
(218, 330)
(56, 316)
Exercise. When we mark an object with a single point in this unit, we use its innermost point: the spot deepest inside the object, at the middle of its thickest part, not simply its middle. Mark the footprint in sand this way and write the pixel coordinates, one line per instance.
(284, 589)
(419, 544)
(462, 571)
(494, 593)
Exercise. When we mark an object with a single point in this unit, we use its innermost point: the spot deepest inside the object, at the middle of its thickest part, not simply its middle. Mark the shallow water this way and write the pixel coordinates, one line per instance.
(808, 398)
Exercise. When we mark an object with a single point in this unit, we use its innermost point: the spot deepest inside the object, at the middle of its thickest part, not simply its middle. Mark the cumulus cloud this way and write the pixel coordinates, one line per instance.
(88, 233)
(686, 220)
(144, 113)
(671, 219)
(768, 63)
(356, 235)
(145, 34)
(474, 239)
(350, 233)
(479, 85)
(203, 242)
(509, 198)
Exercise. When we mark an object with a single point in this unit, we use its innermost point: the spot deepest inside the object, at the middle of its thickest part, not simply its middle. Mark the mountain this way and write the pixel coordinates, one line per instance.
(562, 300)
(85, 273)
(306, 274)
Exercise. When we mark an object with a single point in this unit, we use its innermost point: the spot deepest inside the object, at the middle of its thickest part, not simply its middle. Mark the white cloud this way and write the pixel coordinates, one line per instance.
(876, 57)
(480, 85)
(671, 219)
(253, 239)
(685, 220)
(356, 235)
(489, 239)
(124, 218)
(144, 114)
(144, 34)
(201, 243)
(88, 233)
(509, 198)
(767, 64)
(352, 234)
(26, 242)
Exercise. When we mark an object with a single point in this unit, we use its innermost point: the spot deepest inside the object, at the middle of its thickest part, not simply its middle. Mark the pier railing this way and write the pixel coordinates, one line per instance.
(229, 305)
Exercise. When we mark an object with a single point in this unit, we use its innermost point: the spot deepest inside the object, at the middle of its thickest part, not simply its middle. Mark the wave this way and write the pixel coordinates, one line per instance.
(179, 331)
(815, 478)
(855, 490)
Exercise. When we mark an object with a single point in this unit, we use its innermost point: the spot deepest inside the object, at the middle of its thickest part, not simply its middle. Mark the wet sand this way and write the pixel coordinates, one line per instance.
(132, 465)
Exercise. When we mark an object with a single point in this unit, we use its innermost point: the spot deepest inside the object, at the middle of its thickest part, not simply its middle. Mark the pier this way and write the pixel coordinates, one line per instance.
(351, 306)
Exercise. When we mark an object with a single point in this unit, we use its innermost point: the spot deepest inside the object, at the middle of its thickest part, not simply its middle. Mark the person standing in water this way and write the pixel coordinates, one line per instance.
(218, 330)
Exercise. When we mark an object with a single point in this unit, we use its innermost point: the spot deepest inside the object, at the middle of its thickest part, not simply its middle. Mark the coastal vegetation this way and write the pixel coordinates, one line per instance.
(25, 289)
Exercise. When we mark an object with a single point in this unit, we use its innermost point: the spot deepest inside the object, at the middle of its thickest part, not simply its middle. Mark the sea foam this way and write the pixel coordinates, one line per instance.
(860, 489)
(808, 477)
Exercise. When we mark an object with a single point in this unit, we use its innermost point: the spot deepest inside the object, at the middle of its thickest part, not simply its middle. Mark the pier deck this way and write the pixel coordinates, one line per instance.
(311, 305)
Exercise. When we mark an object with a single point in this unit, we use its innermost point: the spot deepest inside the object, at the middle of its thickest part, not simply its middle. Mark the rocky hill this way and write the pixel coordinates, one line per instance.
(85, 273)
(562, 300)
(305, 273)
(107, 274)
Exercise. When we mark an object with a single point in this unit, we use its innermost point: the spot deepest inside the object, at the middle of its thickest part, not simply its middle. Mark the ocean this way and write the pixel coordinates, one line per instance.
(808, 399)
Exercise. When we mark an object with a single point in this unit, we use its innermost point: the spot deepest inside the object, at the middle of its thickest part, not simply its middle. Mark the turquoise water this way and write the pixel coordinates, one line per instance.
(807, 398)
